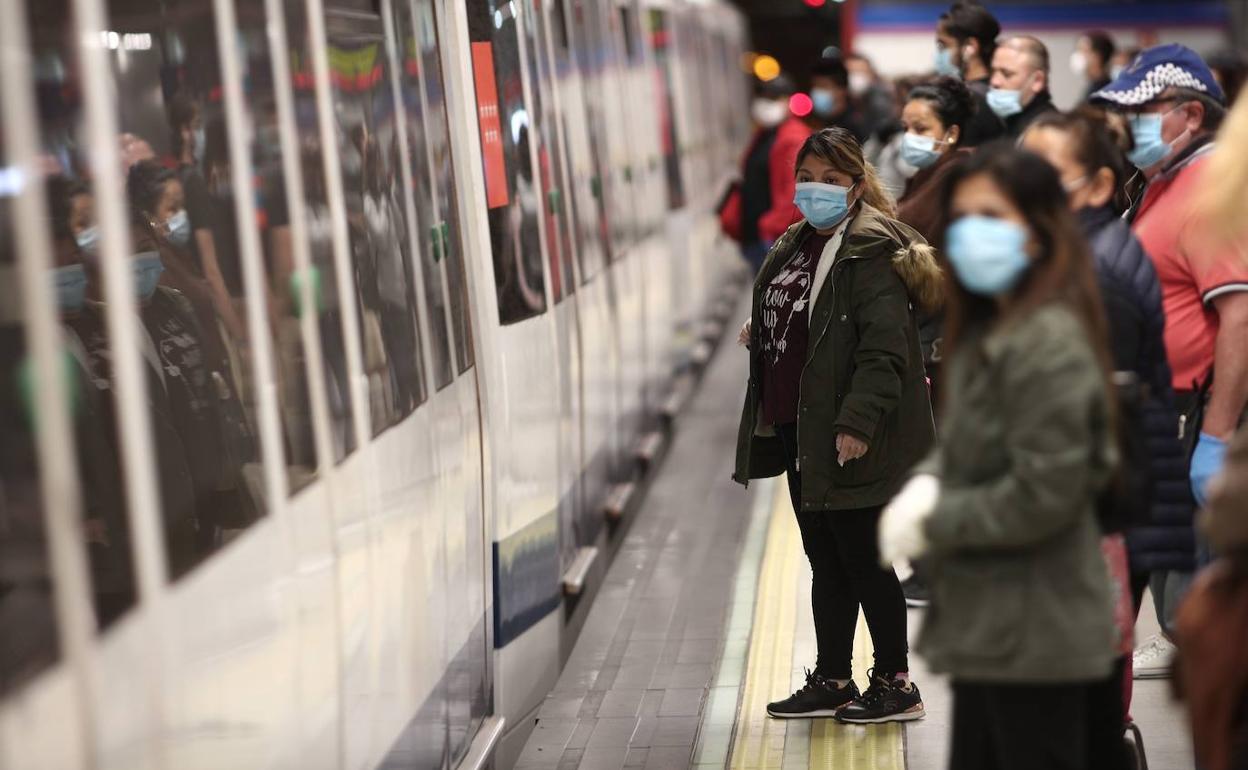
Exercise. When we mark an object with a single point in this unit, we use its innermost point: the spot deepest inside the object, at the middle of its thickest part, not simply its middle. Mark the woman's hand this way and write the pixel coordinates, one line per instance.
(743, 336)
(901, 524)
(849, 448)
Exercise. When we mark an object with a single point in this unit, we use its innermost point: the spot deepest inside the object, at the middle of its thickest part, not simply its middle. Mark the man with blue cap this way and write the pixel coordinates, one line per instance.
(1174, 106)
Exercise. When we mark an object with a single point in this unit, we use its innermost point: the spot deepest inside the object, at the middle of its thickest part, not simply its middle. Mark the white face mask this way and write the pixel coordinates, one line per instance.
(1079, 64)
(859, 83)
(769, 113)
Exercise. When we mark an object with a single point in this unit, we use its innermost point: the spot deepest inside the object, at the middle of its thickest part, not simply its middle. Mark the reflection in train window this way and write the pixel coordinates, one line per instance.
(511, 187)
(660, 36)
(377, 226)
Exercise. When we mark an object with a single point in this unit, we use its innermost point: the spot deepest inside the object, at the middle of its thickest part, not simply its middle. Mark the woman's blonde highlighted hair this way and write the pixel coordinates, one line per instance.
(841, 150)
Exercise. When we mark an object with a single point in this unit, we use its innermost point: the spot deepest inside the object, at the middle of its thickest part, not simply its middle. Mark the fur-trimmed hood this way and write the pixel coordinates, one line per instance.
(914, 260)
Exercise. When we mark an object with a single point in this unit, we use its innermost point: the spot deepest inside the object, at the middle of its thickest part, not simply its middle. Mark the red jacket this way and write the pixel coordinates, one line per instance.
(781, 161)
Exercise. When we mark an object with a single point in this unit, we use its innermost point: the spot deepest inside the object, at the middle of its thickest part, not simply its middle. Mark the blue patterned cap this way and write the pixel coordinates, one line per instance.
(1155, 70)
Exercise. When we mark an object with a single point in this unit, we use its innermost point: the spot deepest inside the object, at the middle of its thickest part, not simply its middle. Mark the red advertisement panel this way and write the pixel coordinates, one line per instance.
(491, 126)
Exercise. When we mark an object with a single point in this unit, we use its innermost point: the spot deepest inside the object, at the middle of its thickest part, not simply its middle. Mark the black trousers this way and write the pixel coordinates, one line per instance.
(845, 565)
(1019, 727)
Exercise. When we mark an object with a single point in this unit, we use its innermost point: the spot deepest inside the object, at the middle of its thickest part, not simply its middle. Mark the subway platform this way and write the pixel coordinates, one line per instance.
(705, 617)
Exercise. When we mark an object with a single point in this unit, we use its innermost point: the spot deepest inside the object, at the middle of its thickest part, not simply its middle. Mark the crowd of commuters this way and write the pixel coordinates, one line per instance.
(1008, 345)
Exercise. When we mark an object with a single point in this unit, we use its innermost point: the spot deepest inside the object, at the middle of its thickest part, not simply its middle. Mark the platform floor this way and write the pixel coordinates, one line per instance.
(705, 617)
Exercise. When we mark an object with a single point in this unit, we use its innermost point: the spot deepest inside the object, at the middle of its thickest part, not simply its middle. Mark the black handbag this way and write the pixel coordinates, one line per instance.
(1192, 415)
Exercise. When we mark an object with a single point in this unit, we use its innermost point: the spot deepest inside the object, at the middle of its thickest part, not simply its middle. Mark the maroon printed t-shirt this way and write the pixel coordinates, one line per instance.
(784, 329)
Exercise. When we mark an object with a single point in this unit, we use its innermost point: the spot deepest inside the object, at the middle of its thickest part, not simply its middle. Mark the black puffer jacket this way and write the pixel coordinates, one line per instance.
(1132, 297)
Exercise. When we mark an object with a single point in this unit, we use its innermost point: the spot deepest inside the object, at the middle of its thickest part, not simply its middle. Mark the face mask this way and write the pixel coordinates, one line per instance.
(88, 240)
(919, 151)
(1005, 103)
(859, 83)
(945, 64)
(178, 228)
(1079, 64)
(823, 101)
(769, 113)
(71, 287)
(147, 268)
(1150, 149)
(1075, 185)
(197, 149)
(988, 255)
(823, 205)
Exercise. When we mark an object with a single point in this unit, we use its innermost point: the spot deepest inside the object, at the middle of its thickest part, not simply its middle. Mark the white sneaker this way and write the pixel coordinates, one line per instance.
(1152, 659)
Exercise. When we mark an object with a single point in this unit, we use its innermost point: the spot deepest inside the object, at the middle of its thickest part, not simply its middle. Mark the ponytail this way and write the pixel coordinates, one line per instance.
(838, 147)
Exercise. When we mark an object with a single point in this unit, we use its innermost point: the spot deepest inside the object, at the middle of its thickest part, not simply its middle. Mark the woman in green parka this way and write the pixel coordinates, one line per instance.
(838, 402)
(1005, 509)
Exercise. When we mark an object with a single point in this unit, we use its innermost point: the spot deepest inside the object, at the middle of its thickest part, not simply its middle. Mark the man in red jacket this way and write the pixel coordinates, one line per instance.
(761, 208)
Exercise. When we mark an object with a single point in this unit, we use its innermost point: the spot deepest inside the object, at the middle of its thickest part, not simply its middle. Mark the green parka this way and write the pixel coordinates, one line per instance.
(1020, 591)
(864, 372)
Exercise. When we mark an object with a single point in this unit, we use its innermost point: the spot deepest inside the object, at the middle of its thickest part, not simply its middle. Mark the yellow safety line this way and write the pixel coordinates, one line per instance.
(758, 742)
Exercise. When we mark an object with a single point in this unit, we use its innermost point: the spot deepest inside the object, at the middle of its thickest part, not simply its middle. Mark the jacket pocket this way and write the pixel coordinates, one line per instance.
(981, 605)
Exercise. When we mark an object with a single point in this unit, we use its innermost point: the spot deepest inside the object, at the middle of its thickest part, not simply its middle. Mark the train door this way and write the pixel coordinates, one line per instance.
(549, 159)
(587, 211)
(465, 685)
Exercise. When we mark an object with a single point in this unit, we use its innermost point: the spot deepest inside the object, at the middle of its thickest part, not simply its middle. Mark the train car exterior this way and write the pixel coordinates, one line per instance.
(329, 333)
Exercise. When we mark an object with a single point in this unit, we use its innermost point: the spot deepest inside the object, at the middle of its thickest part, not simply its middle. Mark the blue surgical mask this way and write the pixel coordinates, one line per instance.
(88, 240)
(71, 287)
(919, 151)
(178, 228)
(823, 205)
(1005, 103)
(989, 255)
(945, 65)
(1150, 149)
(147, 268)
(823, 101)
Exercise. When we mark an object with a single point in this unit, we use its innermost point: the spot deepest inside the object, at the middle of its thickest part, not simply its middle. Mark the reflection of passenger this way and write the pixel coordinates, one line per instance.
(522, 293)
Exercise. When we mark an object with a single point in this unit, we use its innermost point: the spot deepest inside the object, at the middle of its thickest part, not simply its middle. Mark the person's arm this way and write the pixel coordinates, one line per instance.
(1230, 366)
(781, 163)
(1049, 391)
(221, 300)
(881, 314)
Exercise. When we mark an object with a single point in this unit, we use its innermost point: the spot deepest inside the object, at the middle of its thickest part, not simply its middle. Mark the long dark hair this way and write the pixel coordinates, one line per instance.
(950, 99)
(1061, 271)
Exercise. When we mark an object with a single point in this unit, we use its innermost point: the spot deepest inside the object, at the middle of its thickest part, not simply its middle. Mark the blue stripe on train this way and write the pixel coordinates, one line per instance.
(526, 578)
(1142, 13)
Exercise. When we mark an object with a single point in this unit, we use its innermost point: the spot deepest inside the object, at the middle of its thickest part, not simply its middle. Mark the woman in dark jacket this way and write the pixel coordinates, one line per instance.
(837, 401)
(934, 118)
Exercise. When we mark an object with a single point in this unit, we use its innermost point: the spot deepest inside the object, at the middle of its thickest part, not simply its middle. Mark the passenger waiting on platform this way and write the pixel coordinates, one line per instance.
(837, 401)
(1006, 507)
(1020, 83)
(1091, 60)
(832, 105)
(966, 39)
(760, 206)
(872, 94)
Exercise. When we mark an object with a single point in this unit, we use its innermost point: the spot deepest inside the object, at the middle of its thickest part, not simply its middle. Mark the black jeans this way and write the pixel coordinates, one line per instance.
(1019, 727)
(845, 565)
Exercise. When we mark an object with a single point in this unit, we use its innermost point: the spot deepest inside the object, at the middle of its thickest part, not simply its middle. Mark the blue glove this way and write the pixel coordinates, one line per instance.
(1206, 462)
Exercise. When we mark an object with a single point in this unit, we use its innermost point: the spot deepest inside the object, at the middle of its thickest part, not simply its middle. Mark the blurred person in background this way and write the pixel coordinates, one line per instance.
(872, 94)
(1020, 83)
(883, 149)
(760, 206)
(1122, 59)
(837, 402)
(1174, 106)
(1091, 60)
(830, 99)
(1006, 506)
(966, 39)
(1212, 667)
(1157, 520)
(1230, 69)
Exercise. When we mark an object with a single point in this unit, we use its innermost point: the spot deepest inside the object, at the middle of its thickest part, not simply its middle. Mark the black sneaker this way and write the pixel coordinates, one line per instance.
(916, 592)
(886, 700)
(819, 698)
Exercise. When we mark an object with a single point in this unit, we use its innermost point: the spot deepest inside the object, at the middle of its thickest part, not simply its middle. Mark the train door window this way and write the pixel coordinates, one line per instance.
(549, 153)
(660, 35)
(434, 237)
(323, 274)
(438, 143)
(511, 187)
(584, 158)
(377, 225)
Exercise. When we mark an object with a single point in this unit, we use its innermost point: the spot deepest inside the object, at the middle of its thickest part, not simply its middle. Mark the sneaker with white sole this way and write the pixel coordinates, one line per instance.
(820, 697)
(1152, 659)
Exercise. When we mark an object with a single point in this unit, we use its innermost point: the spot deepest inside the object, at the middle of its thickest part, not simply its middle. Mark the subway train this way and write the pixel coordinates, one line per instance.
(335, 339)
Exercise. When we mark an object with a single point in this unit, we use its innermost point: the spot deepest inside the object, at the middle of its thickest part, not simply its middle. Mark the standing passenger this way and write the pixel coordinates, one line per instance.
(966, 39)
(837, 402)
(830, 99)
(1020, 83)
(1006, 506)
(1090, 61)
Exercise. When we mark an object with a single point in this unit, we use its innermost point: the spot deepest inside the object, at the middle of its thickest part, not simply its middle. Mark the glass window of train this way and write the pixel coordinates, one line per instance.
(511, 186)
(377, 225)
(324, 275)
(283, 284)
(438, 144)
(665, 108)
(586, 148)
(408, 32)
